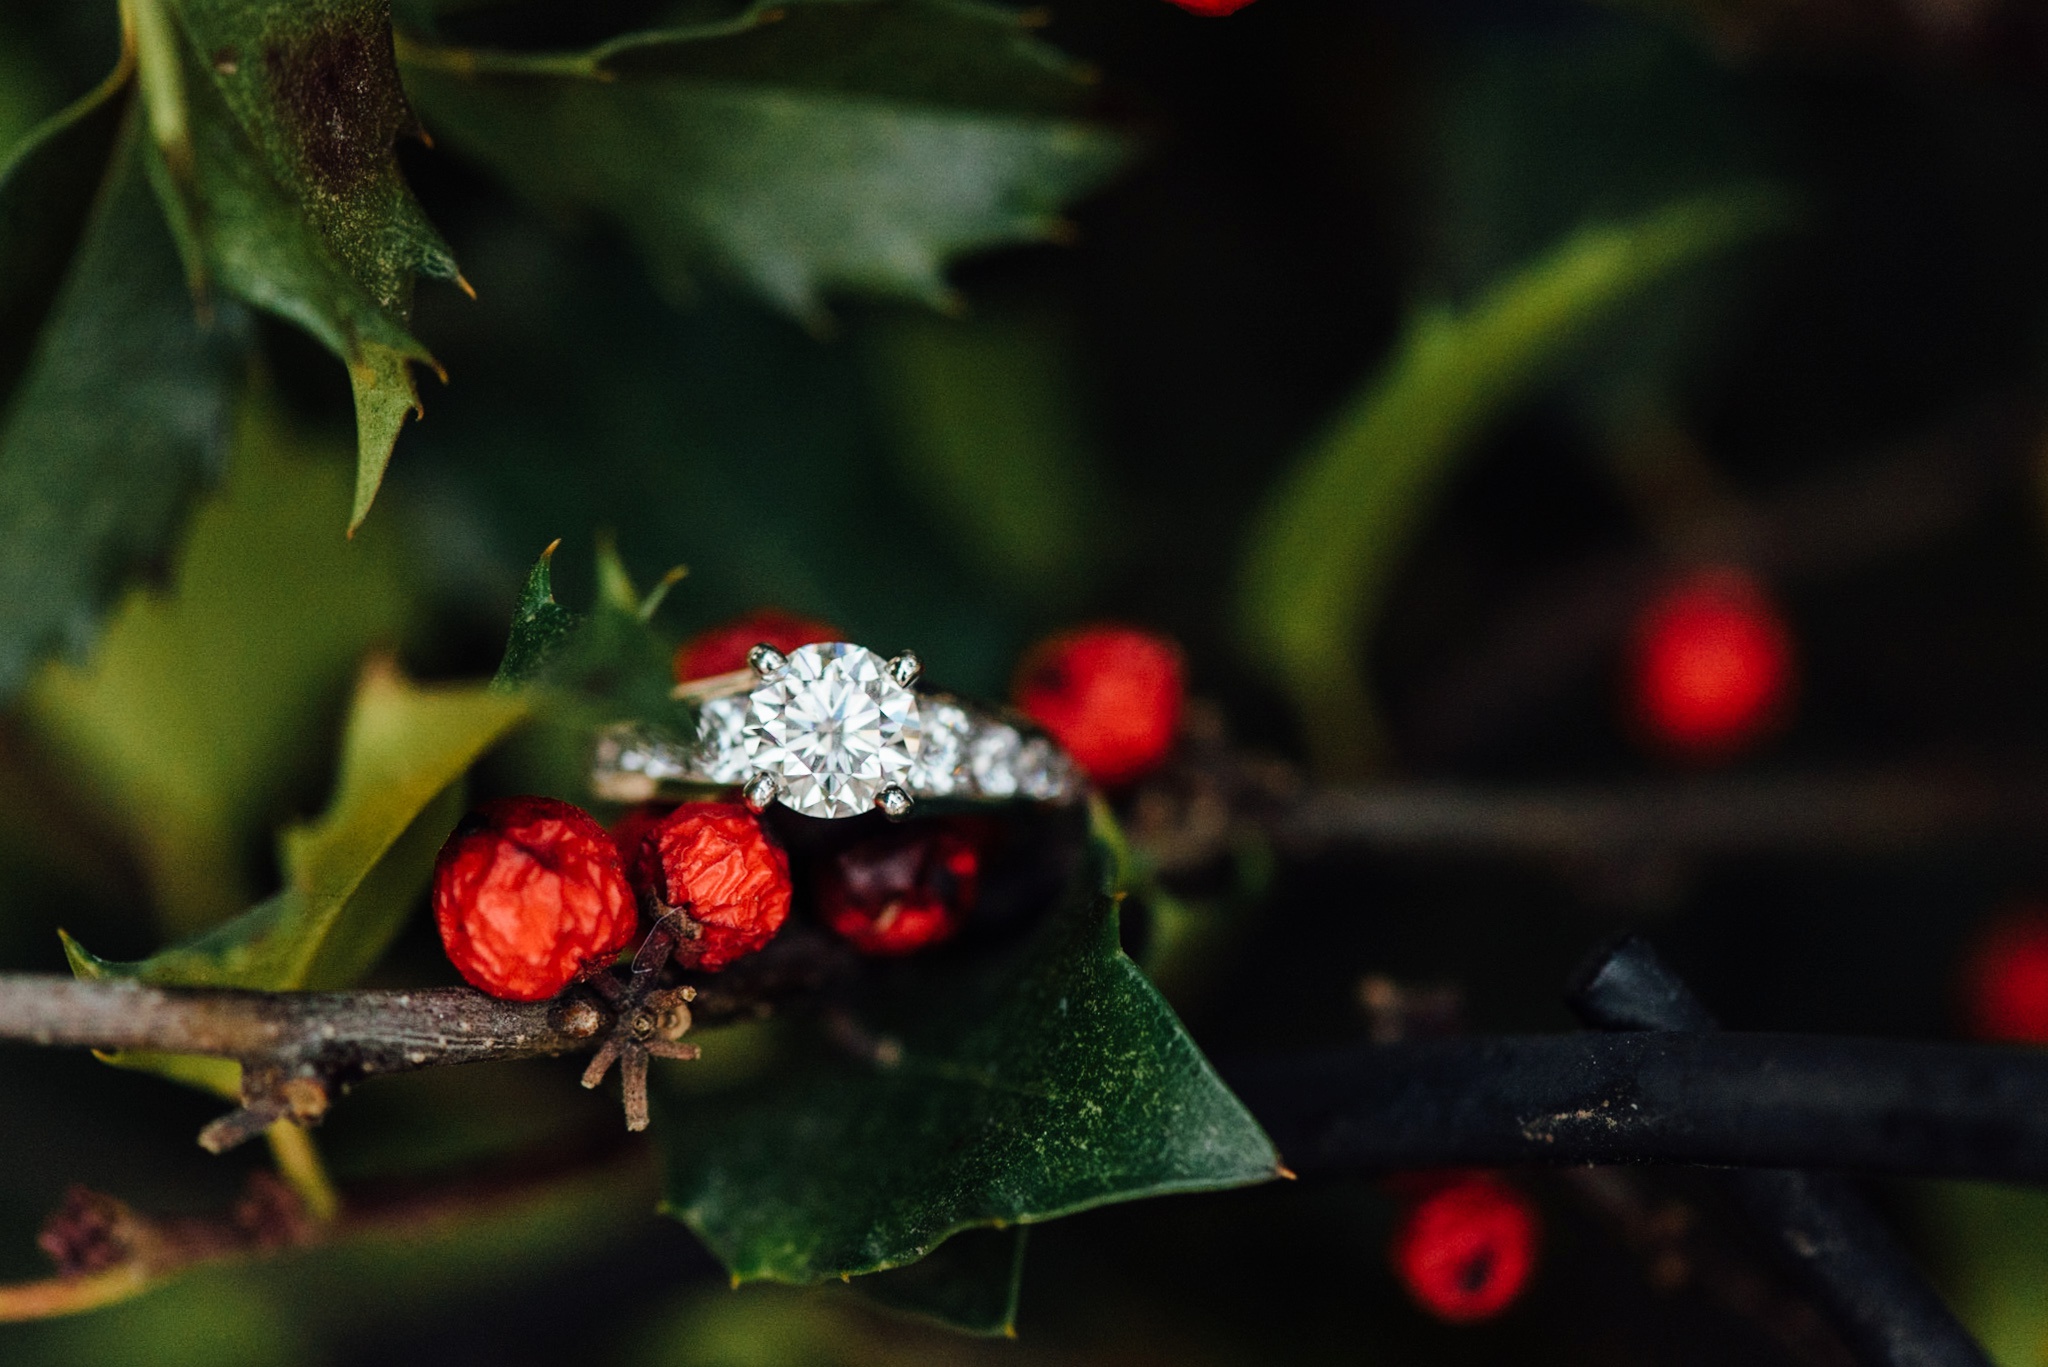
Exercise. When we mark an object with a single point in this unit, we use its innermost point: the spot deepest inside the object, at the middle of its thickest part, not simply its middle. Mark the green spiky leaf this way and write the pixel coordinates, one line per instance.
(798, 148)
(1050, 1083)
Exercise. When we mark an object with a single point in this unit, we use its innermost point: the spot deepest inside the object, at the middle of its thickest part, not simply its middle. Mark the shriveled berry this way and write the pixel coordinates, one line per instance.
(1711, 666)
(1111, 695)
(1465, 1250)
(715, 862)
(723, 649)
(903, 889)
(529, 896)
(2005, 979)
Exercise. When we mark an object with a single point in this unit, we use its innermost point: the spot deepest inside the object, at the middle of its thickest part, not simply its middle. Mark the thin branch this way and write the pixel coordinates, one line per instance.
(1714, 814)
(300, 1050)
(297, 1050)
(107, 1251)
(1721, 1100)
(1821, 1226)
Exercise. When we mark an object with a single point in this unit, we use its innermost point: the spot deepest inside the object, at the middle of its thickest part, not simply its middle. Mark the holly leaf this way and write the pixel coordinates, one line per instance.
(1049, 1084)
(969, 1283)
(273, 130)
(796, 148)
(1328, 540)
(541, 627)
(115, 404)
(352, 875)
(606, 665)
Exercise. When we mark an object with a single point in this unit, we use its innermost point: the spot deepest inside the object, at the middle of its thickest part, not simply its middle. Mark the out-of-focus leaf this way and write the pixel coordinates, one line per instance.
(274, 126)
(204, 705)
(1331, 535)
(989, 428)
(1045, 1085)
(1991, 1250)
(797, 148)
(353, 874)
(969, 1283)
(116, 402)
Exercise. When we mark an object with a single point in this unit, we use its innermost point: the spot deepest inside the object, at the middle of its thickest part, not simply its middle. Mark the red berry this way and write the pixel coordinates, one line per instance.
(1465, 1250)
(723, 649)
(529, 897)
(2006, 978)
(1214, 8)
(903, 889)
(714, 860)
(1711, 666)
(1111, 695)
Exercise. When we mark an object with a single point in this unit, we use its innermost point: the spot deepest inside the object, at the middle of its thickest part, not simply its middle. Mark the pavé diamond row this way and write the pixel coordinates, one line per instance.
(835, 730)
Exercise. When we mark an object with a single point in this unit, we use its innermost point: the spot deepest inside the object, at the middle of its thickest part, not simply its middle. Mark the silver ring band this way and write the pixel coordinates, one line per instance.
(835, 730)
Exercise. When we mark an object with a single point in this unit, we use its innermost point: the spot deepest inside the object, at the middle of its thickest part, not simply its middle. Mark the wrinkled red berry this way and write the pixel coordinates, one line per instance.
(1112, 696)
(714, 860)
(1711, 666)
(2005, 978)
(903, 889)
(529, 896)
(723, 649)
(1465, 1250)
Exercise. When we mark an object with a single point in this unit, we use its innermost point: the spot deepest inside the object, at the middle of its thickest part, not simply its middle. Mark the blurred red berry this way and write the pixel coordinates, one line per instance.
(1465, 1250)
(529, 896)
(2005, 978)
(723, 649)
(1215, 8)
(1111, 695)
(714, 860)
(1711, 668)
(905, 888)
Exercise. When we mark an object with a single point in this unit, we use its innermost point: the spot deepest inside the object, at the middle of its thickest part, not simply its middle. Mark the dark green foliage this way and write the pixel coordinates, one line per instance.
(1009, 1094)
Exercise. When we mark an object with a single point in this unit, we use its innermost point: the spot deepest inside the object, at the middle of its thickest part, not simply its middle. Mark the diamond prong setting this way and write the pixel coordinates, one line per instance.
(760, 792)
(906, 668)
(766, 661)
(894, 802)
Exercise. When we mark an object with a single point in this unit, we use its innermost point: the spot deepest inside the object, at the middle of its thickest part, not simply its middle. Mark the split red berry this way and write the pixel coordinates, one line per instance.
(530, 896)
(1465, 1250)
(723, 649)
(1111, 695)
(715, 862)
(1711, 667)
(2005, 979)
(905, 888)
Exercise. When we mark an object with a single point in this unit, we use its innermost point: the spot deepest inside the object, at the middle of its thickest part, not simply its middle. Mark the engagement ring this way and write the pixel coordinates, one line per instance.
(835, 730)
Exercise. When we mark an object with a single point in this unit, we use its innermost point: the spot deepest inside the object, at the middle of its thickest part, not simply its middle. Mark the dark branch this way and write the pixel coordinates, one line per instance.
(1738, 1100)
(1821, 1226)
(1715, 814)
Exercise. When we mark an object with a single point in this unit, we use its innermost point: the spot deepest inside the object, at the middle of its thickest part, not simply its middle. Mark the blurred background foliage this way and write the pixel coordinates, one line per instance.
(1092, 429)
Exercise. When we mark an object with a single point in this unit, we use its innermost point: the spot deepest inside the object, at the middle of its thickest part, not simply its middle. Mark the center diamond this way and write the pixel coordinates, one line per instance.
(833, 728)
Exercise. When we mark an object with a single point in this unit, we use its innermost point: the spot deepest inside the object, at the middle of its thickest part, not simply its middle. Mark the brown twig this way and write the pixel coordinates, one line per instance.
(300, 1050)
(107, 1251)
